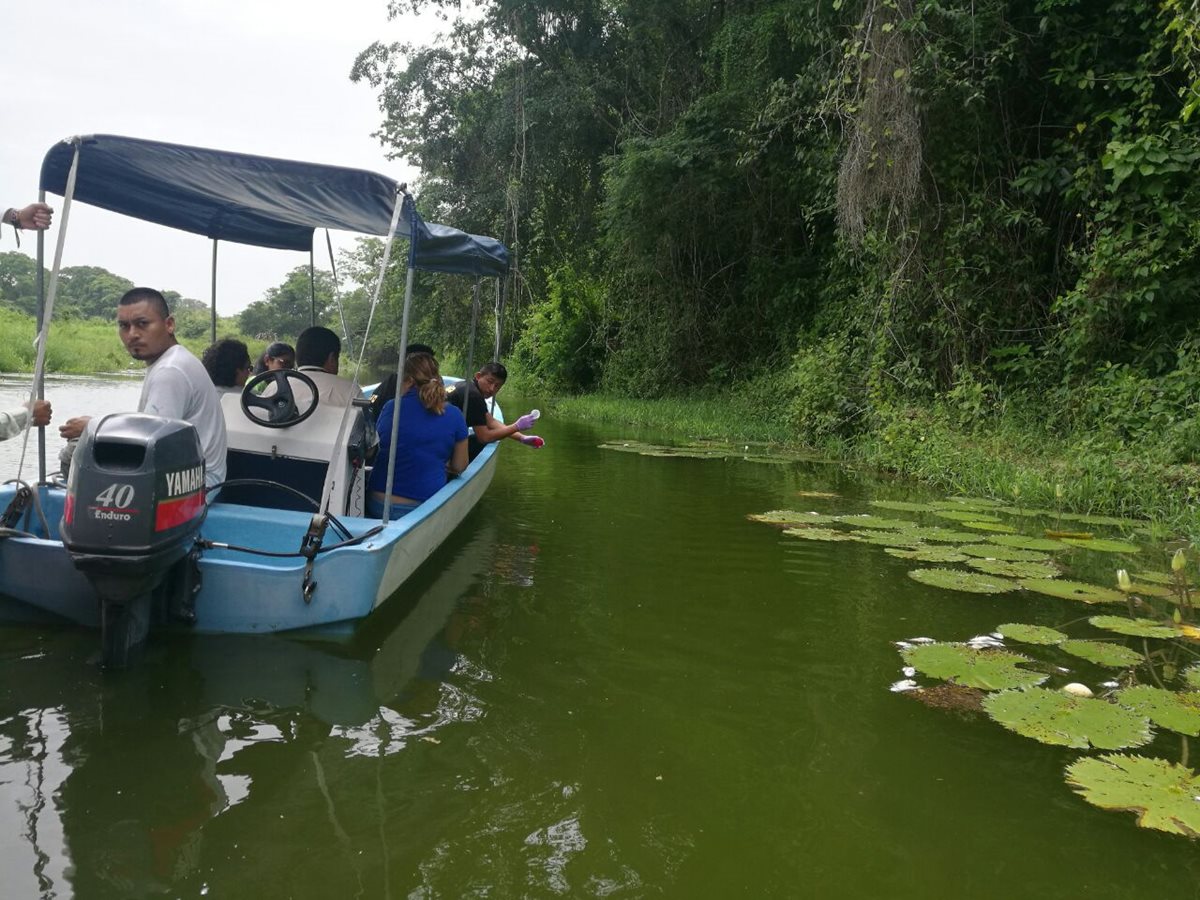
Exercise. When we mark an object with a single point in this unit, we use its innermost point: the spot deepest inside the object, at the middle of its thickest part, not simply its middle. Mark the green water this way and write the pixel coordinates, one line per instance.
(608, 683)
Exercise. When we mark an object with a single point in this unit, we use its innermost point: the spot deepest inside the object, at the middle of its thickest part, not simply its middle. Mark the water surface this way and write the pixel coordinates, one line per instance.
(607, 683)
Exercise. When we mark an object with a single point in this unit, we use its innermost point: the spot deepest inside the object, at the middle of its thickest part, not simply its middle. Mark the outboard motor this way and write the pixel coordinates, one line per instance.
(135, 500)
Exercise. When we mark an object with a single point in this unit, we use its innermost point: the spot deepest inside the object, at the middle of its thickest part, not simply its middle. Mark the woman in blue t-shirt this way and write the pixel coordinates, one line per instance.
(431, 440)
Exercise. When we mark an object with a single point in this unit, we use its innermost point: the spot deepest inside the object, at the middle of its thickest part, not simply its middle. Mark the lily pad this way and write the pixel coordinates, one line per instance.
(944, 535)
(887, 538)
(1191, 676)
(928, 554)
(1072, 590)
(1116, 656)
(1167, 709)
(1068, 721)
(1114, 521)
(1009, 554)
(1162, 794)
(819, 534)
(1024, 542)
(903, 506)
(1014, 569)
(1153, 577)
(998, 527)
(965, 515)
(1142, 589)
(791, 517)
(969, 503)
(956, 580)
(1100, 545)
(987, 669)
(1133, 627)
(818, 495)
(867, 521)
(1032, 634)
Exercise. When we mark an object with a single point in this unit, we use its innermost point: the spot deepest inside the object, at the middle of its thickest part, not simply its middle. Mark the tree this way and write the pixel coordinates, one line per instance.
(287, 310)
(18, 282)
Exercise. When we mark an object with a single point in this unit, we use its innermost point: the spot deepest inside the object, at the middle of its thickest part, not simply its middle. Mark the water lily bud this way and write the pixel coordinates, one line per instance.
(1075, 689)
(1123, 581)
(1016, 490)
(1178, 561)
(1059, 492)
(1177, 617)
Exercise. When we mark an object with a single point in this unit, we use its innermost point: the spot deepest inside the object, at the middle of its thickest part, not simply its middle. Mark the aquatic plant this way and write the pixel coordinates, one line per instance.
(1161, 793)
(1023, 542)
(1053, 717)
(965, 516)
(1102, 546)
(957, 580)
(1175, 711)
(998, 527)
(989, 669)
(819, 534)
(1017, 569)
(1031, 634)
(927, 554)
(791, 517)
(1101, 653)
(1072, 590)
(1009, 554)
(868, 521)
(1133, 627)
(887, 538)
(903, 506)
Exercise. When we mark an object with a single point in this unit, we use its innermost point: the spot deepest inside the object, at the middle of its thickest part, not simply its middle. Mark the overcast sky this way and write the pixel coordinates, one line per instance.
(256, 76)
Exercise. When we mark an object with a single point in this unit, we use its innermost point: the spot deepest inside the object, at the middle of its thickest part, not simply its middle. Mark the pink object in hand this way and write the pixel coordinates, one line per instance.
(533, 441)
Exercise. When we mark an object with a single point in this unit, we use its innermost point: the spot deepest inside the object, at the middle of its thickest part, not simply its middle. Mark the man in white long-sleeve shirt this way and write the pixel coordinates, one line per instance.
(177, 385)
(14, 421)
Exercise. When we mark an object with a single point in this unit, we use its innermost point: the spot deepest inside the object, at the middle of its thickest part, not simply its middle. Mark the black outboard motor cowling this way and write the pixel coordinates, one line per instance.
(135, 500)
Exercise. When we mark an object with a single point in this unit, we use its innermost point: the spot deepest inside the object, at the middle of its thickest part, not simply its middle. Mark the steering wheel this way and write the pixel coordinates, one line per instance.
(281, 408)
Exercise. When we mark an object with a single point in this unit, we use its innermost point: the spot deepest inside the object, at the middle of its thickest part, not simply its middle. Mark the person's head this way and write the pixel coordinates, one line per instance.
(418, 348)
(228, 363)
(145, 324)
(490, 378)
(278, 355)
(318, 346)
(421, 370)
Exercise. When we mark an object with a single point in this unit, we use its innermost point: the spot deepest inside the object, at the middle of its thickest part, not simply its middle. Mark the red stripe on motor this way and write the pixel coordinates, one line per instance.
(69, 509)
(173, 513)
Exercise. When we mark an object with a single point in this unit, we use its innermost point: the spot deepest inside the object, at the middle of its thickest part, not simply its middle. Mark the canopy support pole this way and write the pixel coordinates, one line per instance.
(46, 309)
(499, 317)
(213, 304)
(39, 382)
(408, 292)
(475, 291)
(312, 288)
(337, 298)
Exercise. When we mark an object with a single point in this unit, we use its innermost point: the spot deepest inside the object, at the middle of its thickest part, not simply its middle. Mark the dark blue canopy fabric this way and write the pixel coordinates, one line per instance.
(253, 200)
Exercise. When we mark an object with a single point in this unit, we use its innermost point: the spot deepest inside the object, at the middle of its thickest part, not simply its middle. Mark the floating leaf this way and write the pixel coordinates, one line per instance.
(1069, 721)
(1072, 590)
(955, 580)
(1113, 521)
(819, 495)
(1133, 627)
(944, 535)
(866, 521)
(954, 698)
(1027, 512)
(1154, 577)
(1011, 554)
(1116, 656)
(1163, 794)
(965, 515)
(1076, 535)
(987, 669)
(1152, 590)
(999, 527)
(1191, 676)
(887, 538)
(819, 534)
(1031, 634)
(1178, 712)
(969, 503)
(928, 554)
(1024, 542)
(903, 506)
(1102, 546)
(791, 517)
(1014, 569)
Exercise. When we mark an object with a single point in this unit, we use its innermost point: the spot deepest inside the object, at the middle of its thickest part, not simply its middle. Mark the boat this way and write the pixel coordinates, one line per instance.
(131, 541)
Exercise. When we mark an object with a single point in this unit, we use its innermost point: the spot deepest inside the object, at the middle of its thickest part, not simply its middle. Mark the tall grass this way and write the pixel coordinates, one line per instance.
(84, 346)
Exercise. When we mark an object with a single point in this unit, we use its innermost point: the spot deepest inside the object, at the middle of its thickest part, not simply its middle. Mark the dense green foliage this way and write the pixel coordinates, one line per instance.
(846, 210)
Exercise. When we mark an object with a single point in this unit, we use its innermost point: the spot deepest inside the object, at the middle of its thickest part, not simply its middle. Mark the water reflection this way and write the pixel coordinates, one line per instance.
(110, 783)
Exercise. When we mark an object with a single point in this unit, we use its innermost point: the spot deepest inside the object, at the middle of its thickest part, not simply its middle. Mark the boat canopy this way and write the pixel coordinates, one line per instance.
(256, 200)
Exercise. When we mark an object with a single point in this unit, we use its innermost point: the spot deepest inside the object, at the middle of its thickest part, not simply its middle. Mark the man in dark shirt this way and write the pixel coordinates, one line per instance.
(472, 396)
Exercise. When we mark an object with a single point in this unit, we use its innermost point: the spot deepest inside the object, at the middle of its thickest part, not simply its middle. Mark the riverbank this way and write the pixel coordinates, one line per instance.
(1008, 457)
